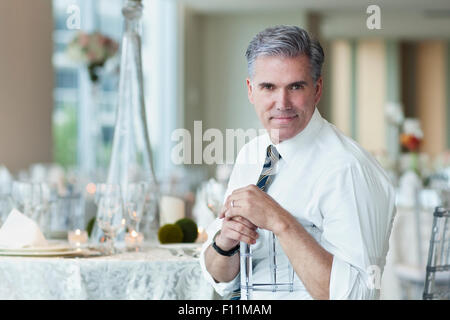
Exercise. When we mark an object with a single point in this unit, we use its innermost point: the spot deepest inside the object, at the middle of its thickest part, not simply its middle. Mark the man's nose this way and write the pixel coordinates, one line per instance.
(283, 102)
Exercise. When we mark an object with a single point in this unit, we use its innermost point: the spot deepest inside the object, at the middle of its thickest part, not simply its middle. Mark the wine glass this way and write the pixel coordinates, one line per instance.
(110, 212)
(27, 197)
(214, 196)
(134, 202)
(5, 193)
(150, 209)
(5, 207)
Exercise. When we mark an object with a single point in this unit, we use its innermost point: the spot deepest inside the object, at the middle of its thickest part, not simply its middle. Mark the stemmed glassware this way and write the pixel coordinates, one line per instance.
(150, 219)
(26, 195)
(5, 193)
(110, 212)
(214, 192)
(135, 196)
(31, 198)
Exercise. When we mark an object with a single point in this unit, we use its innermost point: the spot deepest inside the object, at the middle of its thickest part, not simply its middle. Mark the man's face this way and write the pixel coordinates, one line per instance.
(284, 94)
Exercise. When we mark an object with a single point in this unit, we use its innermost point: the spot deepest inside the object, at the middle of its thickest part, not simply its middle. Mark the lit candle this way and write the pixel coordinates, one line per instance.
(134, 239)
(202, 235)
(77, 237)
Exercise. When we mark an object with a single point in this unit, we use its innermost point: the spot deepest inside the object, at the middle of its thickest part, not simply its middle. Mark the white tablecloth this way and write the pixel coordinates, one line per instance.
(154, 273)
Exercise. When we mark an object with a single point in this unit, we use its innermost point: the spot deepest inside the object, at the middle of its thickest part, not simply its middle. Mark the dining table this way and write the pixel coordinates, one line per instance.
(151, 272)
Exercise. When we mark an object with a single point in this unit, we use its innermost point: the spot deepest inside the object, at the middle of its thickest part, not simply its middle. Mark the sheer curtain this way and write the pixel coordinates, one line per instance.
(162, 67)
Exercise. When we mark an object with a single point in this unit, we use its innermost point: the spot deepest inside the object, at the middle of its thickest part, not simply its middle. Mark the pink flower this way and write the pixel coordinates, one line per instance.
(92, 56)
(83, 40)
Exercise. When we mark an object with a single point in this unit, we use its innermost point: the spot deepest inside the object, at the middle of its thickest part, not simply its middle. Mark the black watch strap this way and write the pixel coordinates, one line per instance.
(228, 253)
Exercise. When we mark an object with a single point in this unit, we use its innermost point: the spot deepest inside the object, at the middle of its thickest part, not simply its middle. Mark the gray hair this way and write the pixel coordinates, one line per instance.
(286, 41)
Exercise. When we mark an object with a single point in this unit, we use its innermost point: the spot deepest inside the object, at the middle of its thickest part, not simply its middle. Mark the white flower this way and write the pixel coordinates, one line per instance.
(412, 126)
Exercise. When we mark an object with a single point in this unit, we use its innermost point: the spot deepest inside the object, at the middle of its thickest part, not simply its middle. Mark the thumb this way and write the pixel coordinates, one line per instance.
(222, 213)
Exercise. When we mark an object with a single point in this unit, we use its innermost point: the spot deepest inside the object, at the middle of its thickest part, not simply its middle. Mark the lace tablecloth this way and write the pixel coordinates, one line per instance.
(155, 273)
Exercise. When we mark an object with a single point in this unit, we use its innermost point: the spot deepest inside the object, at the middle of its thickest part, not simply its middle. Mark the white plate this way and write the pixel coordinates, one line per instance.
(52, 247)
(180, 245)
(41, 253)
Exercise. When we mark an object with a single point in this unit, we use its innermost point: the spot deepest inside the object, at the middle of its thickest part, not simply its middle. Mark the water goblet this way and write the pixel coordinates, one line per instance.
(214, 196)
(27, 197)
(110, 213)
(134, 202)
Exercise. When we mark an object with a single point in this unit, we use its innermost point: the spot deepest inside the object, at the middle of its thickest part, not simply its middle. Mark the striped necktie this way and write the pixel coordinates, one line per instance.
(268, 170)
(264, 181)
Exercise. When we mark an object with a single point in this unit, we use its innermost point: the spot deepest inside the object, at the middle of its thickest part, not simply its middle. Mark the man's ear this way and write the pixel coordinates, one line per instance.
(318, 94)
(249, 90)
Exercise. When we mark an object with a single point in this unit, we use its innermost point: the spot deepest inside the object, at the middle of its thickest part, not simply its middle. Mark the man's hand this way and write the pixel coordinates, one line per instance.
(254, 206)
(235, 230)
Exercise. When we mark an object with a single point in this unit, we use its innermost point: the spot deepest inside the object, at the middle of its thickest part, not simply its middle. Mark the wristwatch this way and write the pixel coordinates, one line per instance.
(228, 253)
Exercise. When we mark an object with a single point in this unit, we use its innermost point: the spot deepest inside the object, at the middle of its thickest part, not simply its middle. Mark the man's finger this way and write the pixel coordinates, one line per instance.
(245, 221)
(244, 189)
(222, 212)
(242, 228)
(235, 235)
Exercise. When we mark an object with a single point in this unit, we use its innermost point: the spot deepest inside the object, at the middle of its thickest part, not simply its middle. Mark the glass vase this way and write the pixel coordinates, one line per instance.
(131, 157)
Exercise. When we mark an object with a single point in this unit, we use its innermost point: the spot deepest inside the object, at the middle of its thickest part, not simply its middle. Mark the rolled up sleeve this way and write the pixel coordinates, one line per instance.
(349, 283)
(357, 209)
(222, 288)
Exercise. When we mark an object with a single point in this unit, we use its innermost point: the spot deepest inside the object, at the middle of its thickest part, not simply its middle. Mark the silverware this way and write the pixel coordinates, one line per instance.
(185, 252)
(176, 253)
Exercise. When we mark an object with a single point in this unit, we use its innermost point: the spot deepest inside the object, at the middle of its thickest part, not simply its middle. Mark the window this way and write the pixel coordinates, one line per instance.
(73, 118)
(73, 103)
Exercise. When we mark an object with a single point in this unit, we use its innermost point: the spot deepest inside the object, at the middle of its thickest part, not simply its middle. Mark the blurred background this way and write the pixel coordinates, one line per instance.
(388, 88)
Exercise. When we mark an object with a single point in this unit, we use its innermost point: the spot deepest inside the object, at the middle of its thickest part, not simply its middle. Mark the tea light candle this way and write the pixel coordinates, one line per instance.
(77, 237)
(202, 235)
(171, 209)
(133, 238)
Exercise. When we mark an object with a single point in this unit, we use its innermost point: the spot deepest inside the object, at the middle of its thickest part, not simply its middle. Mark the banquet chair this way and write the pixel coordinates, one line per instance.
(410, 243)
(248, 286)
(437, 279)
(411, 234)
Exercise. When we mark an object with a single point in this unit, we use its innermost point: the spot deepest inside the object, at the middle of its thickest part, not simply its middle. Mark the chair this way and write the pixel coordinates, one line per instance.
(410, 241)
(247, 286)
(437, 279)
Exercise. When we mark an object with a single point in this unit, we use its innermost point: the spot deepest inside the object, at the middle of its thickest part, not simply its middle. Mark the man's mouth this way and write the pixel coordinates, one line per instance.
(283, 119)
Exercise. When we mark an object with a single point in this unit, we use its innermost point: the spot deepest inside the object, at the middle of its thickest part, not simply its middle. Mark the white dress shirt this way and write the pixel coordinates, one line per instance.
(340, 195)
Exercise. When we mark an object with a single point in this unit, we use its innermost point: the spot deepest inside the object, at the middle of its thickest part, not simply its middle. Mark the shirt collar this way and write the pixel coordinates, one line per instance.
(288, 148)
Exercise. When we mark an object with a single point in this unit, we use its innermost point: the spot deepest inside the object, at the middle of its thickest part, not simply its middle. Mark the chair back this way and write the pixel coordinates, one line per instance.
(247, 285)
(437, 279)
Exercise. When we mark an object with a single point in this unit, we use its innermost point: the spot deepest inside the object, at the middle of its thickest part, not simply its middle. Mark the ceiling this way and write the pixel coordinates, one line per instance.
(407, 19)
(438, 7)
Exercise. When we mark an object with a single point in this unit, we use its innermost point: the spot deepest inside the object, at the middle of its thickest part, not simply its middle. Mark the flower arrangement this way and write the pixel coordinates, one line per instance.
(412, 135)
(410, 140)
(94, 49)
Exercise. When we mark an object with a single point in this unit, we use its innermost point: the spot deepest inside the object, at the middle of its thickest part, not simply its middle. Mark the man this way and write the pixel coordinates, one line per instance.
(330, 204)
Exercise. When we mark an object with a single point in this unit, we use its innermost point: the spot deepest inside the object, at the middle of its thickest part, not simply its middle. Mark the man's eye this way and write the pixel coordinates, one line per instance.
(296, 87)
(268, 86)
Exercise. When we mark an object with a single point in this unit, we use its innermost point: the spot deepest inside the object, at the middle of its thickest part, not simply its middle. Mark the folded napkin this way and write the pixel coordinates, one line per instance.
(19, 231)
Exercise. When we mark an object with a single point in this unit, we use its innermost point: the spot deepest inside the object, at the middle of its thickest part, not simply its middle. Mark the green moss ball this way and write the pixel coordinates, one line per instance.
(190, 230)
(90, 226)
(170, 233)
